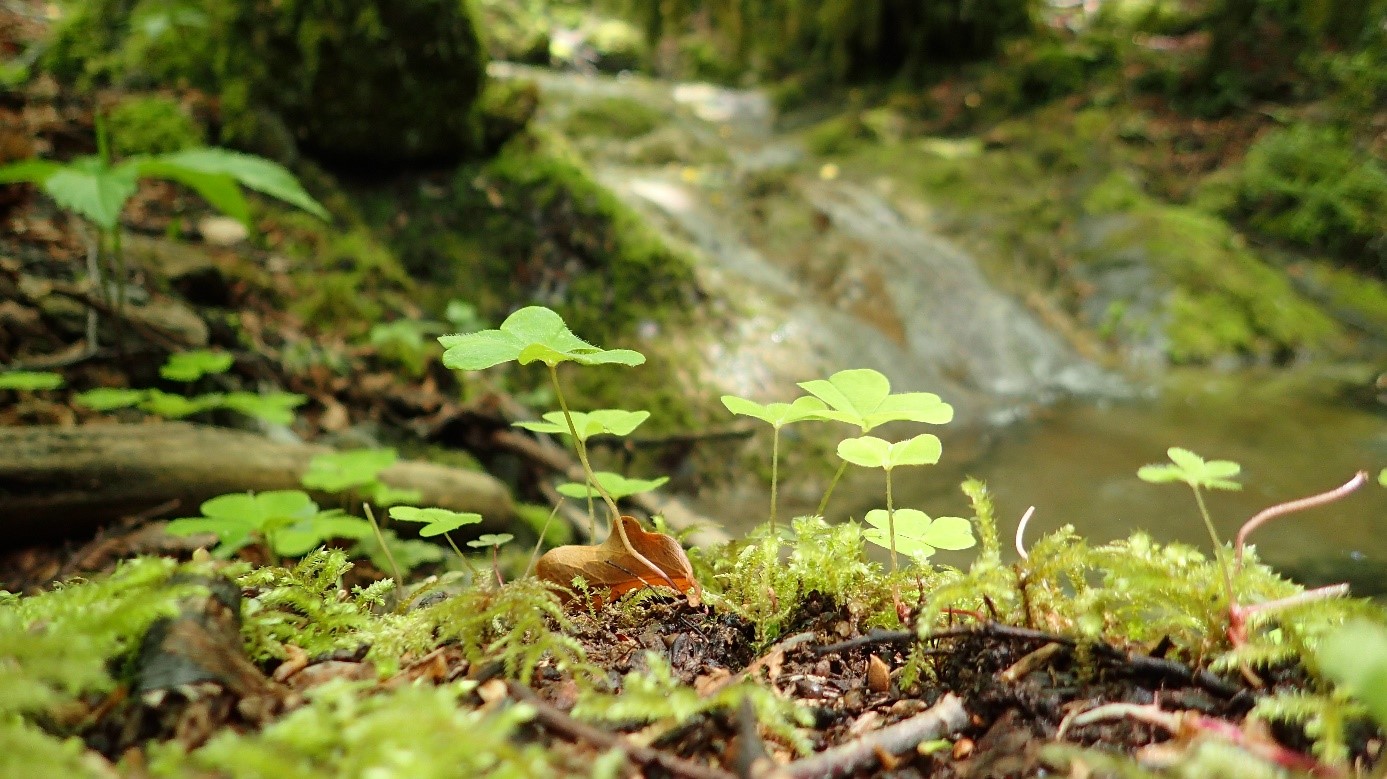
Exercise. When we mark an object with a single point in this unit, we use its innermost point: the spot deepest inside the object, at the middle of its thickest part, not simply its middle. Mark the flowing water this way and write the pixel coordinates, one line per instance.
(849, 281)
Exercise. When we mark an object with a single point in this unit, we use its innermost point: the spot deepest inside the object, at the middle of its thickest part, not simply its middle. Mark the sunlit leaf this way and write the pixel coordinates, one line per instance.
(338, 471)
(193, 365)
(777, 415)
(30, 381)
(917, 534)
(863, 397)
(491, 539)
(93, 190)
(615, 484)
(109, 398)
(610, 421)
(1190, 468)
(532, 334)
(257, 173)
(274, 407)
(436, 521)
(872, 452)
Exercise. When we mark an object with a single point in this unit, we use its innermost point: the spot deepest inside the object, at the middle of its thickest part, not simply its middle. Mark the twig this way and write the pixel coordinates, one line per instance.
(775, 653)
(941, 719)
(563, 725)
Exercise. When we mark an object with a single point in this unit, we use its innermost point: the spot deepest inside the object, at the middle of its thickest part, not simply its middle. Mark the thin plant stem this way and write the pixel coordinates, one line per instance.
(1219, 556)
(476, 574)
(543, 533)
(496, 565)
(891, 521)
(775, 472)
(380, 539)
(1282, 509)
(582, 450)
(823, 503)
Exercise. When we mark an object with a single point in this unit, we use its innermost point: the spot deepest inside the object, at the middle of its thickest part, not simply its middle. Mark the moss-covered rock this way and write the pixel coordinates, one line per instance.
(361, 80)
(152, 124)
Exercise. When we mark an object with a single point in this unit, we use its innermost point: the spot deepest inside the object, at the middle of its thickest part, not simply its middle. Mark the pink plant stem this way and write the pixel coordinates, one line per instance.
(1281, 509)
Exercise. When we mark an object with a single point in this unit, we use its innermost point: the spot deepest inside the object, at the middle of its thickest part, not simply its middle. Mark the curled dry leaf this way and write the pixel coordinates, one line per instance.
(610, 566)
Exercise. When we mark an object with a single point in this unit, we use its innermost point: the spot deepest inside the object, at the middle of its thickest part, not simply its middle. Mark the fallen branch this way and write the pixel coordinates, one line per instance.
(567, 727)
(941, 719)
(56, 481)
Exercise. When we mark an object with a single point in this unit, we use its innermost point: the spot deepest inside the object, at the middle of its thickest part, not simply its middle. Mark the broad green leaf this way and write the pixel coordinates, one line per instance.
(232, 534)
(92, 190)
(611, 421)
(109, 398)
(385, 495)
(236, 517)
(491, 539)
(304, 536)
(917, 534)
(532, 334)
(777, 415)
(1355, 657)
(436, 521)
(1382, 477)
(866, 451)
(872, 452)
(28, 171)
(1192, 469)
(337, 471)
(863, 397)
(274, 407)
(615, 484)
(193, 365)
(30, 381)
(257, 173)
(218, 189)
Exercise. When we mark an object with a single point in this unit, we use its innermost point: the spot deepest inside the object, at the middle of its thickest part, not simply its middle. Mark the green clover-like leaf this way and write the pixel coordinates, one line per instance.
(169, 406)
(274, 407)
(532, 334)
(491, 539)
(191, 366)
(863, 397)
(436, 521)
(612, 421)
(338, 471)
(615, 484)
(872, 452)
(301, 537)
(30, 381)
(777, 415)
(917, 534)
(110, 398)
(1190, 468)
(236, 519)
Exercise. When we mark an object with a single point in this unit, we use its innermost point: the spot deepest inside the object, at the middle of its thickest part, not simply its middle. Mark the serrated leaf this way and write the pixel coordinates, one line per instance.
(93, 190)
(863, 397)
(776, 414)
(615, 484)
(257, 173)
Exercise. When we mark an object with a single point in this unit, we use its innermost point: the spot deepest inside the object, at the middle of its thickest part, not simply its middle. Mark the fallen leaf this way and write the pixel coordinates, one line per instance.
(610, 566)
(878, 674)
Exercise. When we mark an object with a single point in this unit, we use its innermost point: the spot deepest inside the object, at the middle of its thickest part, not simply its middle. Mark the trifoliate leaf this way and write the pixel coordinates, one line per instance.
(863, 397)
(436, 521)
(777, 415)
(615, 484)
(532, 334)
(610, 421)
(917, 534)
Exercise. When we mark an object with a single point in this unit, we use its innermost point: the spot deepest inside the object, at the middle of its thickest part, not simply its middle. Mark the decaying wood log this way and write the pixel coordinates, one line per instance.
(60, 481)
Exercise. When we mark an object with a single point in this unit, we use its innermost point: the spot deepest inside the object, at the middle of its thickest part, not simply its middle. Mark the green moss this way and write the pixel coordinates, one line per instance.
(616, 117)
(152, 124)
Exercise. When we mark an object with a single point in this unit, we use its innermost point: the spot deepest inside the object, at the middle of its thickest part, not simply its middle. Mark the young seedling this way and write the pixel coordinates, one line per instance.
(439, 522)
(537, 334)
(863, 397)
(585, 425)
(275, 407)
(777, 415)
(495, 541)
(97, 189)
(872, 452)
(287, 521)
(193, 365)
(1188, 467)
(357, 469)
(918, 536)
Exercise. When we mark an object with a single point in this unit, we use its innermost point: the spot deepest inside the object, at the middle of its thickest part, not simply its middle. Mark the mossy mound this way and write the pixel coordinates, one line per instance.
(152, 124)
(363, 81)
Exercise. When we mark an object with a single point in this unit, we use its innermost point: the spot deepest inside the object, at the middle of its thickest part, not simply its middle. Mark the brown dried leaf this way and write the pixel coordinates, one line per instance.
(610, 566)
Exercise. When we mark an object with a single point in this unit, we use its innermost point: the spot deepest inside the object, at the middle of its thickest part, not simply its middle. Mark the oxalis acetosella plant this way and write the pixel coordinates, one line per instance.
(538, 334)
(777, 415)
